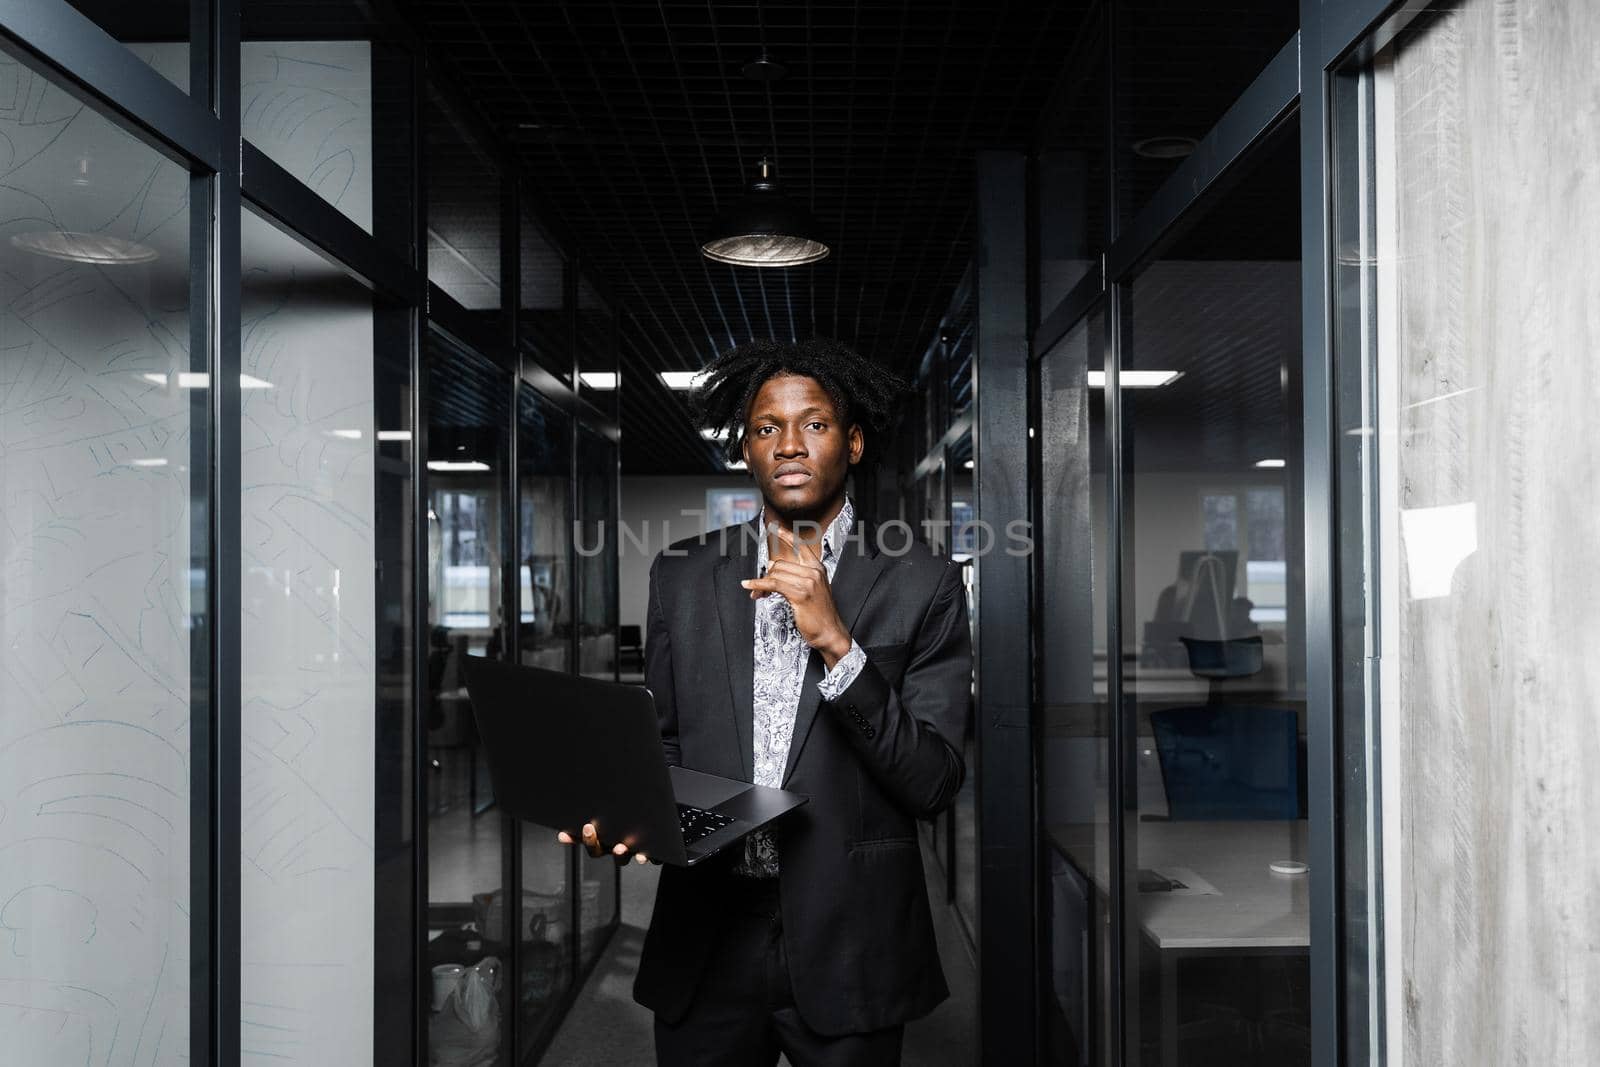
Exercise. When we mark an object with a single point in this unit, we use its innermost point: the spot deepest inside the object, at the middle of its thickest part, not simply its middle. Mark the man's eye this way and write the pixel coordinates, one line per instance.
(762, 431)
(818, 425)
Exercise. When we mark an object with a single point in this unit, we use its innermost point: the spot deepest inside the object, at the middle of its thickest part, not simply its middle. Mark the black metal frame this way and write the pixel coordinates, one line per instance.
(201, 130)
(1295, 81)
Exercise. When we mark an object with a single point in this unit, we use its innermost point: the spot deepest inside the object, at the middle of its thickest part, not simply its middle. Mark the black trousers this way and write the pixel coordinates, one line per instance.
(743, 1013)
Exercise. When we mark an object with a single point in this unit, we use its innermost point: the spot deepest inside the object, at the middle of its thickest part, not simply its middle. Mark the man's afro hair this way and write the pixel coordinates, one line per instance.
(864, 393)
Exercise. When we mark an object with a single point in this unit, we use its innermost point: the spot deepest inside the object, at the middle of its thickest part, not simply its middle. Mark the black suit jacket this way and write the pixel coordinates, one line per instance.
(856, 924)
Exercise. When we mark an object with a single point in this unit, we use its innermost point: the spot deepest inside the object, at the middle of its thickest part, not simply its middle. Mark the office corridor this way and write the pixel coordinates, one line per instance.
(605, 1028)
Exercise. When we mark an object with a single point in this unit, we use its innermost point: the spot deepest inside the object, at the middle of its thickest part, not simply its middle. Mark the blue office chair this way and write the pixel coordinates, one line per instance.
(1230, 761)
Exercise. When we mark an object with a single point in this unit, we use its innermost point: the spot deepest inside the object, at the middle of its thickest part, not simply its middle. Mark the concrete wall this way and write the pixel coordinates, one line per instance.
(1494, 481)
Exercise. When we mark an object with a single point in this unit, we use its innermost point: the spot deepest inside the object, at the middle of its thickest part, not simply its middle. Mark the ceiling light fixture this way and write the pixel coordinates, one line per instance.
(1270, 464)
(394, 435)
(598, 379)
(1168, 146)
(765, 229)
(101, 250)
(764, 68)
(457, 466)
(1136, 379)
(681, 379)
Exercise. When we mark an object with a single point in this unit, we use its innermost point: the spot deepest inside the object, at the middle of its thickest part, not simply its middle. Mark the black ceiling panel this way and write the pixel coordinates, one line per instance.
(634, 124)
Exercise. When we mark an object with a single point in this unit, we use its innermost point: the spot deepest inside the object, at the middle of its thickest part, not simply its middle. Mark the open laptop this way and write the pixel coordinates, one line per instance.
(564, 750)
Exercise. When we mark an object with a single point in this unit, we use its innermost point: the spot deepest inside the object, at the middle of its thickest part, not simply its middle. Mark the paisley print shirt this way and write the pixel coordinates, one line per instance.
(780, 670)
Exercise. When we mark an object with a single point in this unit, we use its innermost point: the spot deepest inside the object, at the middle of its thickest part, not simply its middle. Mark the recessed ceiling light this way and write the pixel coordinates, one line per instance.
(348, 435)
(394, 435)
(1168, 146)
(149, 463)
(968, 464)
(457, 466)
(1136, 379)
(1270, 463)
(598, 379)
(100, 250)
(681, 379)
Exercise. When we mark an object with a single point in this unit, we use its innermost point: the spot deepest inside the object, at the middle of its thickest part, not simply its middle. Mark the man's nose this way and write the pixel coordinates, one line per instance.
(791, 443)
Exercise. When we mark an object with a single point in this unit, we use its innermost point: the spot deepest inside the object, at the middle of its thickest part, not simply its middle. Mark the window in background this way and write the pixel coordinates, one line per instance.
(103, 460)
(464, 205)
(1074, 725)
(468, 402)
(1213, 683)
(309, 652)
(728, 507)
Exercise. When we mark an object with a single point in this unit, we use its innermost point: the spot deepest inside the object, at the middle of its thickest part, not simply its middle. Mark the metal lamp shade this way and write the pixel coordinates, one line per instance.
(765, 229)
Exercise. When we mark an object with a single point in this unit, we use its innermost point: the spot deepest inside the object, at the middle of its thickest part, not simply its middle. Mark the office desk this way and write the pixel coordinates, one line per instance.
(1255, 911)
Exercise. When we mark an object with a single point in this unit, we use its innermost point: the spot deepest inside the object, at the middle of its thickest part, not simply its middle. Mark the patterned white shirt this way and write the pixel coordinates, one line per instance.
(780, 671)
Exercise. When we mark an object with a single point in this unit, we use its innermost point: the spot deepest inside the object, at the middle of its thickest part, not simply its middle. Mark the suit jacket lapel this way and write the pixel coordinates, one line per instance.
(858, 571)
(736, 613)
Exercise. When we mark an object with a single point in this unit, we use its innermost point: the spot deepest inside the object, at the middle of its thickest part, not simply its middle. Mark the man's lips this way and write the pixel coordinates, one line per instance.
(790, 475)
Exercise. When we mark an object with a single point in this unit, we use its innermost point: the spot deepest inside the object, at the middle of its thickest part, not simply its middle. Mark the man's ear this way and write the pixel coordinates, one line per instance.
(744, 448)
(857, 443)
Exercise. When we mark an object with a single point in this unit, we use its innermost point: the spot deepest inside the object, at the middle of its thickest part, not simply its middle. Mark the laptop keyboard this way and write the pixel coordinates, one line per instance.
(698, 822)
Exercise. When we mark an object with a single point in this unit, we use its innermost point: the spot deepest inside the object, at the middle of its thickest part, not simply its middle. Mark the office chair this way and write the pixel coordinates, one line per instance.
(1230, 761)
(630, 648)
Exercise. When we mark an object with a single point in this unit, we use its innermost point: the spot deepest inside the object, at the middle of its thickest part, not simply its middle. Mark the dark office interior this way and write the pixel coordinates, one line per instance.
(343, 342)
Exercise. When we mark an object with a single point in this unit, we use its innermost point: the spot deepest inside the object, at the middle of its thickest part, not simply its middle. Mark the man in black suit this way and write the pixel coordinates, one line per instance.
(798, 651)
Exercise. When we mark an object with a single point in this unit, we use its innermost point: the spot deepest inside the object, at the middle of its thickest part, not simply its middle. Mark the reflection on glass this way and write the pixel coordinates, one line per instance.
(102, 581)
(309, 648)
(464, 205)
(468, 412)
(597, 643)
(1214, 691)
(544, 639)
(1074, 739)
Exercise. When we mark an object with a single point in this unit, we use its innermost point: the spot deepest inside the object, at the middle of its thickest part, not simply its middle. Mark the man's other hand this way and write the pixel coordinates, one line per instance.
(591, 841)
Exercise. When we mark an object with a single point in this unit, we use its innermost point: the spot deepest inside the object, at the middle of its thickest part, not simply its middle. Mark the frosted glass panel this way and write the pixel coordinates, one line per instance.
(102, 437)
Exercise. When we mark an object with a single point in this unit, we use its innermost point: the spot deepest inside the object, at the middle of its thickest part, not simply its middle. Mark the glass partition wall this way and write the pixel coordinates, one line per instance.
(1170, 733)
(256, 510)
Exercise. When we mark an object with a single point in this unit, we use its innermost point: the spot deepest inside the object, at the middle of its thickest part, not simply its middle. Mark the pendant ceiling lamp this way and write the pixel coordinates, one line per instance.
(765, 229)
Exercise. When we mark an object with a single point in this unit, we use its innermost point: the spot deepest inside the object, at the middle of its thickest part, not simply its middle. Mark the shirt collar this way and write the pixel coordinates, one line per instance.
(835, 535)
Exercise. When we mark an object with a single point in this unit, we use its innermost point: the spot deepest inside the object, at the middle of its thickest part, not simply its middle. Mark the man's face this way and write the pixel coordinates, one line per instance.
(797, 447)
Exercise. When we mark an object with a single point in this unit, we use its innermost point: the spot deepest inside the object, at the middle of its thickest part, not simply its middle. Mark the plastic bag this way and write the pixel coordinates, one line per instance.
(466, 1032)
